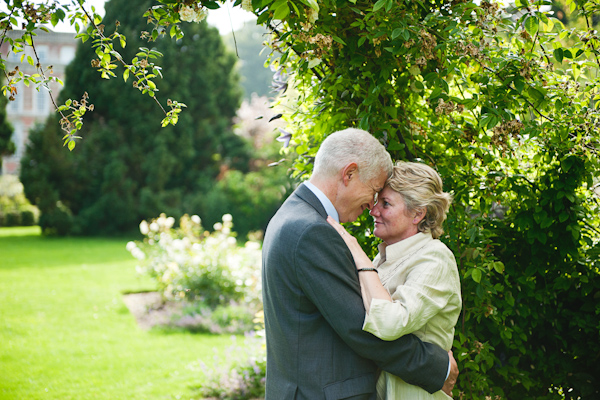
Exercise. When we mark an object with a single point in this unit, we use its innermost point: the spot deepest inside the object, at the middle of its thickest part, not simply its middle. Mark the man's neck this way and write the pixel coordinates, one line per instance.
(328, 188)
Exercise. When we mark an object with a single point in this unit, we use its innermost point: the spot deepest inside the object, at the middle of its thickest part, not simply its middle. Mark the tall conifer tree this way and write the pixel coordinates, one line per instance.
(128, 168)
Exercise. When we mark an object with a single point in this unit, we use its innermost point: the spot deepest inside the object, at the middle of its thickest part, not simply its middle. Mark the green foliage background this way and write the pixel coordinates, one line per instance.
(504, 104)
(131, 168)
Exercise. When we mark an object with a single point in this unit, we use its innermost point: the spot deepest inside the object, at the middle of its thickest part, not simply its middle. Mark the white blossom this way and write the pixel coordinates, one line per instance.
(227, 218)
(138, 254)
(312, 15)
(169, 222)
(144, 228)
(130, 246)
(218, 226)
(178, 244)
(190, 14)
(154, 227)
(196, 219)
(313, 62)
(252, 245)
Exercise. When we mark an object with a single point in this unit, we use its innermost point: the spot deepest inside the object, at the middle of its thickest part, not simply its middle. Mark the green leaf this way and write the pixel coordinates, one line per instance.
(71, 145)
(282, 11)
(519, 84)
(396, 32)
(476, 275)
(563, 216)
(558, 105)
(559, 54)
(532, 25)
(379, 5)
(125, 75)
(548, 24)
(499, 266)
(339, 40)
(563, 34)
(567, 53)
(54, 19)
(391, 111)
(395, 146)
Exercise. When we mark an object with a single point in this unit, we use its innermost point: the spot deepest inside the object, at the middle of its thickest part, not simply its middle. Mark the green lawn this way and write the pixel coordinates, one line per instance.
(65, 332)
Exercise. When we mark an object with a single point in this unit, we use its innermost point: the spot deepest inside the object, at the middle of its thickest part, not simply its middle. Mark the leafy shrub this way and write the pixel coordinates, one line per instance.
(242, 377)
(57, 220)
(13, 219)
(190, 263)
(15, 209)
(251, 198)
(27, 218)
(230, 318)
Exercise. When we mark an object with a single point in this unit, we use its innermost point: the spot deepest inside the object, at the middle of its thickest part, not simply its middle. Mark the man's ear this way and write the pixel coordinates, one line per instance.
(349, 172)
(419, 215)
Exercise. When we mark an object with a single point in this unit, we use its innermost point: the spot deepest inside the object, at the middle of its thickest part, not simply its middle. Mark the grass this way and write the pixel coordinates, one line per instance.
(65, 332)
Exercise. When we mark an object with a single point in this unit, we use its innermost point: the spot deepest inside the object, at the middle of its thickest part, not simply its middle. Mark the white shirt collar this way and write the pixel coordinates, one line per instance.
(329, 208)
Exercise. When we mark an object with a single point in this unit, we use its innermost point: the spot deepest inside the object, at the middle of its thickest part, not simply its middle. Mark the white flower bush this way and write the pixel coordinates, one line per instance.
(191, 263)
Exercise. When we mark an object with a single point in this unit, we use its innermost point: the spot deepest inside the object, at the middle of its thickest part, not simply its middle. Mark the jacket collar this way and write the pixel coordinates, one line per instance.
(308, 196)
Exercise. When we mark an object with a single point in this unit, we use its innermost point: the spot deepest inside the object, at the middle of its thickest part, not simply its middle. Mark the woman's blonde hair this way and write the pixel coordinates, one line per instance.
(421, 188)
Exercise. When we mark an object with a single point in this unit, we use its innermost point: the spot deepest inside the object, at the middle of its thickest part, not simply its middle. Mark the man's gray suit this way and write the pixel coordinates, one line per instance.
(316, 348)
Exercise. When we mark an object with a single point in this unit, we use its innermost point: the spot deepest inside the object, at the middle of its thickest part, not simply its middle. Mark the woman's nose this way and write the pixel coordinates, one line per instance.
(374, 210)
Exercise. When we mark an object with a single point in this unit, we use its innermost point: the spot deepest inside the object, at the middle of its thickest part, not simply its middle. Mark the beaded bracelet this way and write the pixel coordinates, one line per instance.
(367, 269)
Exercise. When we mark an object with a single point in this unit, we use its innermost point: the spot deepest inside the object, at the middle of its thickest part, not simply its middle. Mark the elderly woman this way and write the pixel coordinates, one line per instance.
(412, 286)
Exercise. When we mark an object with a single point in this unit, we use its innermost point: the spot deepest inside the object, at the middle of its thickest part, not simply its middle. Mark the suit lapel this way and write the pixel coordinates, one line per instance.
(309, 197)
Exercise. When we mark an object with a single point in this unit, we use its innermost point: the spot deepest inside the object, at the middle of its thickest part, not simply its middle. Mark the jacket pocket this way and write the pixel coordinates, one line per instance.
(359, 388)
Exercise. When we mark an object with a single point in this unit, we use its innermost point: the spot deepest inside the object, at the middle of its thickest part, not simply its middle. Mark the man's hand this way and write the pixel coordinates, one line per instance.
(451, 381)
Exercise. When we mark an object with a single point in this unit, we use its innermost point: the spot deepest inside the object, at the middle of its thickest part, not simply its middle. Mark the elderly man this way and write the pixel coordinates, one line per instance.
(316, 348)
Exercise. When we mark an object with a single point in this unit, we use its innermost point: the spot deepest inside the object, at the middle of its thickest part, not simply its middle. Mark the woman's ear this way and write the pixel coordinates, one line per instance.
(419, 215)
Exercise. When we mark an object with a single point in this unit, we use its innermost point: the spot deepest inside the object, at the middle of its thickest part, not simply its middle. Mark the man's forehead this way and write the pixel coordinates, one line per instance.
(377, 185)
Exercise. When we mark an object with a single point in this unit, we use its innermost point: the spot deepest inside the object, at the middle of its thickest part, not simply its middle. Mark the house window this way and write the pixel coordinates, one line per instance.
(42, 53)
(27, 93)
(67, 53)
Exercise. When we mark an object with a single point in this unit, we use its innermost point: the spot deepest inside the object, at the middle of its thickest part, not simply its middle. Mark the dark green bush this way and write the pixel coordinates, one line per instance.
(56, 221)
(250, 198)
(13, 219)
(27, 218)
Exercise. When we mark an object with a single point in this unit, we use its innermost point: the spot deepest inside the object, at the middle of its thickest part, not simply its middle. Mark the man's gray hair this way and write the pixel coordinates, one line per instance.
(352, 145)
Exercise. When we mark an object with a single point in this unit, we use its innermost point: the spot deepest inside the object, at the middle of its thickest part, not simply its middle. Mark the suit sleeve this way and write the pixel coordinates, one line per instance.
(326, 272)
